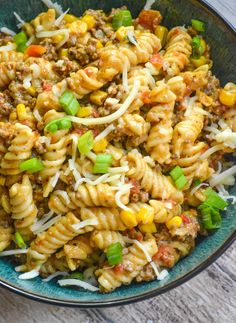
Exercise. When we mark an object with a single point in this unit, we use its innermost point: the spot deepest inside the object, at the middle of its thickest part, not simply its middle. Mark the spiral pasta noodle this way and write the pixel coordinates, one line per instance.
(158, 185)
(11, 56)
(104, 238)
(177, 50)
(23, 208)
(6, 230)
(19, 150)
(54, 238)
(133, 261)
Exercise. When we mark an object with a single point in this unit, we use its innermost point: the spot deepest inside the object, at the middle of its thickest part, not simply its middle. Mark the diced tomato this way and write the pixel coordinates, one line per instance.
(35, 50)
(95, 132)
(164, 256)
(118, 269)
(80, 131)
(139, 236)
(95, 113)
(47, 86)
(157, 61)
(146, 97)
(149, 19)
(185, 219)
(136, 187)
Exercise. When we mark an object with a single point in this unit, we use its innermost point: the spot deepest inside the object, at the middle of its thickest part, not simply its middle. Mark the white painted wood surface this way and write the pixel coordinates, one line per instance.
(208, 298)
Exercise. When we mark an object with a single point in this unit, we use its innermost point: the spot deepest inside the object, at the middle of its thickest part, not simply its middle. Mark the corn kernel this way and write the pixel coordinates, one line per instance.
(122, 32)
(148, 228)
(227, 98)
(84, 112)
(145, 216)
(197, 62)
(63, 52)
(31, 90)
(203, 45)
(161, 32)
(98, 97)
(13, 116)
(128, 218)
(175, 222)
(21, 111)
(100, 145)
(99, 45)
(70, 18)
(2, 180)
(58, 38)
(109, 43)
(77, 27)
(90, 21)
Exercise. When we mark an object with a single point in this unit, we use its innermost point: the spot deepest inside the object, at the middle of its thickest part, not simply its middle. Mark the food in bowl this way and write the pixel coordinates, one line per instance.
(112, 138)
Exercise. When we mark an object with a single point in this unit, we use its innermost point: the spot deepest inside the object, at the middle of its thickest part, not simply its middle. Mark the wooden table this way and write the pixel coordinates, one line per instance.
(208, 298)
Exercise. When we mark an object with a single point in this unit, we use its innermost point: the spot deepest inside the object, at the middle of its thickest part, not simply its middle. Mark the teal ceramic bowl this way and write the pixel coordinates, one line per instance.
(222, 38)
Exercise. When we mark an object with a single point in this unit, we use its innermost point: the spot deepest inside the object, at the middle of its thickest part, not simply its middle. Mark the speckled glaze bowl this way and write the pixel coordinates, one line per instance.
(222, 38)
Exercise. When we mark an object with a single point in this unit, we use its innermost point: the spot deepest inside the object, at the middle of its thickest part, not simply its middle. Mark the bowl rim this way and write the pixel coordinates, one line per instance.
(149, 294)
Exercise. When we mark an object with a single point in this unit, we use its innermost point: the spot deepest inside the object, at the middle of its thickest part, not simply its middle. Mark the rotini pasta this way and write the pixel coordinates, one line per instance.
(110, 146)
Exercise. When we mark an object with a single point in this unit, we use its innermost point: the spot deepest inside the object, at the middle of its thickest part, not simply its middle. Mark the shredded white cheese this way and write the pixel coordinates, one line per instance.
(38, 223)
(13, 252)
(224, 178)
(104, 133)
(150, 161)
(75, 172)
(27, 82)
(48, 224)
(64, 195)
(111, 101)
(37, 115)
(7, 31)
(125, 76)
(51, 184)
(118, 199)
(53, 5)
(84, 223)
(225, 194)
(112, 117)
(61, 17)
(74, 148)
(30, 40)
(211, 151)
(21, 21)
(30, 274)
(148, 4)
(54, 275)
(163, 274)
(197, 187)
(79, 283)
(7, 48)
(45, 34)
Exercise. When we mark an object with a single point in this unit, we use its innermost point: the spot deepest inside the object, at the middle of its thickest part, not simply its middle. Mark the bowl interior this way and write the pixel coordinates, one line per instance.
(223, 42)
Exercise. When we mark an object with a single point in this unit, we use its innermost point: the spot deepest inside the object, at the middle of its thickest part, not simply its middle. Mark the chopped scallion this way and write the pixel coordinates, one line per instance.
(69, 103)
(122, 18)
(19, 240)
(198, 25)
(32, 165)
(58, 124)
(178, 177)
(114, 254)
(85, 142)
(102, 163)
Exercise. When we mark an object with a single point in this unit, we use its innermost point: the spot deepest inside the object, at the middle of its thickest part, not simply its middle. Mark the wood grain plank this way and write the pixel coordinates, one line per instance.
(208, 298)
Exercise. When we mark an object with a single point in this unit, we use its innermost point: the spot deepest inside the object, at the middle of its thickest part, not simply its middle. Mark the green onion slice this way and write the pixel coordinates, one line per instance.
(20, 38)
(114, 254)
(214, 200)
(211, 220)
(196, 182)
(176, 173)
(198, 25)
(85, 142)
(122, 18)
(178, 177)
(32, 165)
(69, 103)
(181, 182)
(58, 124)
(19, 240)
(197, 47)
(102, 163)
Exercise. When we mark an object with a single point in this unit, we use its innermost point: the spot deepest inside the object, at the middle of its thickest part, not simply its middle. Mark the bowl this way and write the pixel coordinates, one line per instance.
(222, 38)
